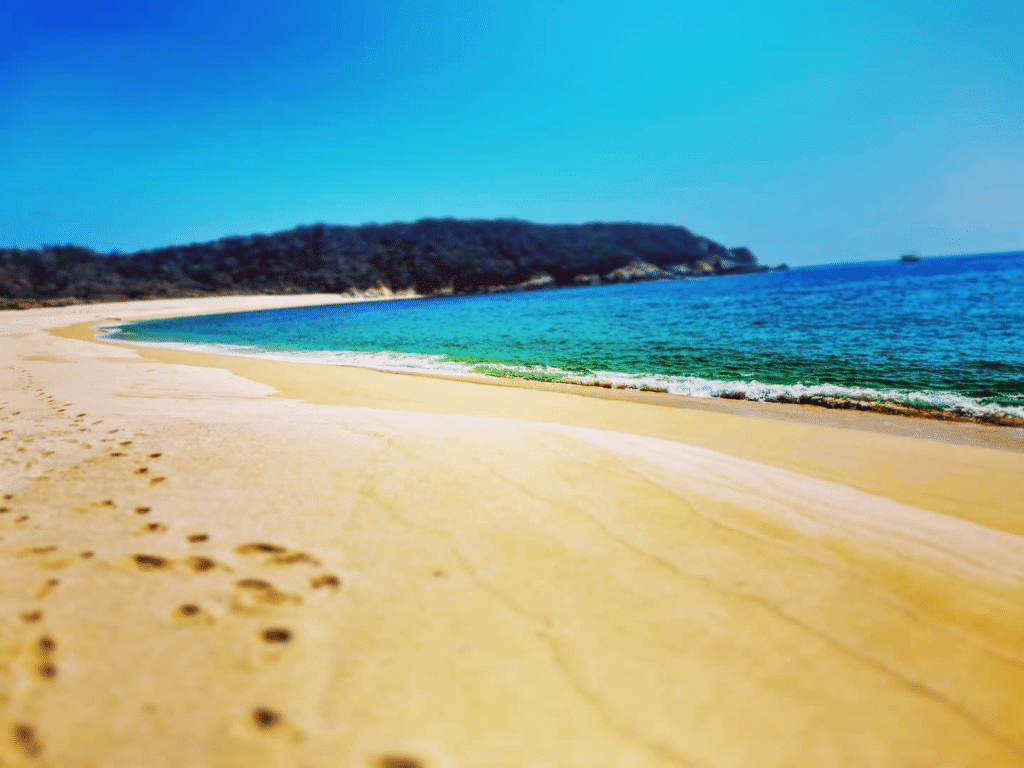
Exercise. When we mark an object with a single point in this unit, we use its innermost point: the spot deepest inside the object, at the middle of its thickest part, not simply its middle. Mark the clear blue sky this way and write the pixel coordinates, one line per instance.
(811, 132)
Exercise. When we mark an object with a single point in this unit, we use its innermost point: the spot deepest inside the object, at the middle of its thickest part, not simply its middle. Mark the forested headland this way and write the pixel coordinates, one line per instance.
(427, 257)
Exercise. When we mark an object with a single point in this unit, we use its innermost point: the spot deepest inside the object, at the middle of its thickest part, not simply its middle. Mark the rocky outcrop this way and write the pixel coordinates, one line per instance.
(679, 270)
(638, 269)
(738, 261)
(539, 280)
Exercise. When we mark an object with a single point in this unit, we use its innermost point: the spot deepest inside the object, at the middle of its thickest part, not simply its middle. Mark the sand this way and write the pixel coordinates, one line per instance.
(213, 561)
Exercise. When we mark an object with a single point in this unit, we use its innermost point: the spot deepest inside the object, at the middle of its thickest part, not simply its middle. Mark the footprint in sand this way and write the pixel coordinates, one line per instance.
(257, 596)
(151, 562)
(45, 648)
(26, 739)
(190, 613)
(398, 761)
(276, 635)
(264, 718)
(328, 581)
(43, 561)
(200, 564)
(47, 587)
(279, 555)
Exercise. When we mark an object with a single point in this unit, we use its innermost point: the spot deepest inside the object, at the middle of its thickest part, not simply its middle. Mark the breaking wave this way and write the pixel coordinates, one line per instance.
(829, 395)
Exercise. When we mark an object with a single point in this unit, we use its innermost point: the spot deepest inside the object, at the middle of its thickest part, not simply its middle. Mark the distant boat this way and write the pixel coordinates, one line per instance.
(909, 258)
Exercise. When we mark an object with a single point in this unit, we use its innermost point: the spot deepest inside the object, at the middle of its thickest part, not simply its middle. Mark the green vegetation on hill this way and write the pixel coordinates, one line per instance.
(430, 256)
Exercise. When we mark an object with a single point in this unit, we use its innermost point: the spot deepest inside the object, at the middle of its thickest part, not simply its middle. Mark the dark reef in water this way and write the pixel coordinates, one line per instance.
(428, 257)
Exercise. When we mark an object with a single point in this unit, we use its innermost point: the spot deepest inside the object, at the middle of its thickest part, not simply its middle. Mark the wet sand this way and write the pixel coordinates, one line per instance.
(215, 561)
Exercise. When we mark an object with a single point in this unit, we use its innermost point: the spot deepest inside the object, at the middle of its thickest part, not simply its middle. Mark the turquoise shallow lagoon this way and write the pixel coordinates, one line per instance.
(942, 333)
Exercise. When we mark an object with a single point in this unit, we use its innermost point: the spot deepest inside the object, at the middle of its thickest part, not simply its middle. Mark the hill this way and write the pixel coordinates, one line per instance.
(429, 257)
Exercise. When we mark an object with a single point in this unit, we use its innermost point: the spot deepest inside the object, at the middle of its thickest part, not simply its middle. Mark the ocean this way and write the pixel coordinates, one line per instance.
(939, 335)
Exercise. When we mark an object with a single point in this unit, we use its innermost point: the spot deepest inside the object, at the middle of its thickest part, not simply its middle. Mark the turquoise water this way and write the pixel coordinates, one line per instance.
(941, 333)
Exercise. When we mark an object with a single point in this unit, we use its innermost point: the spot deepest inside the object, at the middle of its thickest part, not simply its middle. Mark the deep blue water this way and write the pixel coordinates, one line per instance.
(943, 332)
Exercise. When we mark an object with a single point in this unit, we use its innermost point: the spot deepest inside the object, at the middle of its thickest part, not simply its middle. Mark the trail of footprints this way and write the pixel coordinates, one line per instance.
(250, 597)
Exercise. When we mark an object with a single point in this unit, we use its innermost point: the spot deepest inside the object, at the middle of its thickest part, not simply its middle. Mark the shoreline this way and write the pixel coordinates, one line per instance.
(798, 438)
(250, 562)
(809, 410)
(829, 402)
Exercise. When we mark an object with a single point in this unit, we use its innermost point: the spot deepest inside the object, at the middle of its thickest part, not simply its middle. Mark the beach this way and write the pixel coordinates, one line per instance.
(222, 561)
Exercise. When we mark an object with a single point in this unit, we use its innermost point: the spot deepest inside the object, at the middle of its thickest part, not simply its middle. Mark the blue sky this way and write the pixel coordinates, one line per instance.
(810, 132)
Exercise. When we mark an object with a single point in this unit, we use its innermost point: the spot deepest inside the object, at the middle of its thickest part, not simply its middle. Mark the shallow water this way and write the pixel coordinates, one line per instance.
(941, 333)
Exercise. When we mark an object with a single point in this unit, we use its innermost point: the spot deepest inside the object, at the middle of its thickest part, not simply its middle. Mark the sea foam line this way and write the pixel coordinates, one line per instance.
(691, 386)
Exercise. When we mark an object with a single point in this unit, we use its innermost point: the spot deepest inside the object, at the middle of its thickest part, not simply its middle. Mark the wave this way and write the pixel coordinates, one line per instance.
(406, 362)
(829, 395)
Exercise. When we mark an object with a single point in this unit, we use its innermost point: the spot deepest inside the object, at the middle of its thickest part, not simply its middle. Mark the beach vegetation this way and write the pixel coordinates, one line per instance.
(429, 257)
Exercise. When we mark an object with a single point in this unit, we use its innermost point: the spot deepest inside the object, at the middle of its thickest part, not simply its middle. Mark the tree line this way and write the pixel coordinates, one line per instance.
(429, 257)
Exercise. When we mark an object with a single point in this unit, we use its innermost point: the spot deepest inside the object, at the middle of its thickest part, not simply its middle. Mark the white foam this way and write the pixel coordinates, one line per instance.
(408, 362)
(693, 386)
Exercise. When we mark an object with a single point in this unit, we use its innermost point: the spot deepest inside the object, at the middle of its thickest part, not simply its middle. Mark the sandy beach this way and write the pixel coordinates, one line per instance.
(230, 562)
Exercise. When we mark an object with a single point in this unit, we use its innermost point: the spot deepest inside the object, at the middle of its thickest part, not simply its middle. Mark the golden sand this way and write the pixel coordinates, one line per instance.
(214, 561)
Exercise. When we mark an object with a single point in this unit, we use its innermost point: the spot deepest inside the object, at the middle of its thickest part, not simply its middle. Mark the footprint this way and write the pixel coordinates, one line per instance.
(45, 647)
(47, 670)
(154, 527)
(30, 617)
(254, 595)
(196, 538)
(264, 718)
(27, 740)
(398, 761)
(258, 547)
(151, 562)
(293, 558)
(156, 480)
(142, 510)
(39, 550)
(328, 580)
(276, 635)
(192, 614)
(281, 556)
(201, 564)
(47, 587)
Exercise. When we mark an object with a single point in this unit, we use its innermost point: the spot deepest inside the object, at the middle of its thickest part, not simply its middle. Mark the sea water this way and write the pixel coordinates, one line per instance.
(942, 333)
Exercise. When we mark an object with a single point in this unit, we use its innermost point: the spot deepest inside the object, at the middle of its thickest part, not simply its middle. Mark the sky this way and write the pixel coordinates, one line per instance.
(810, 132)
